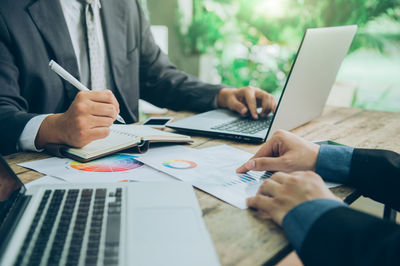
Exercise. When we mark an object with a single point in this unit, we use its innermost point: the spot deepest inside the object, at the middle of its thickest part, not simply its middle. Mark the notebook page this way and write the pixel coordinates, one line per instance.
(148, 133)
(117, 139)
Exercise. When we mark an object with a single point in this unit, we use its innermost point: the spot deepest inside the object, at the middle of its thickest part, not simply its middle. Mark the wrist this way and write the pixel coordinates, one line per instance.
(315, 149)
(222, 97)
(49, 132)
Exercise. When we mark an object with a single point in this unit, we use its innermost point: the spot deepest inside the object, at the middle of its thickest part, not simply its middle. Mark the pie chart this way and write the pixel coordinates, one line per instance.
(179, 164)
(113, 163)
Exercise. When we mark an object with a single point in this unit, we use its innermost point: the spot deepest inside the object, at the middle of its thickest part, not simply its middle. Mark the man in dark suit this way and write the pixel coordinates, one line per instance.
(322, 229)
(105, 44)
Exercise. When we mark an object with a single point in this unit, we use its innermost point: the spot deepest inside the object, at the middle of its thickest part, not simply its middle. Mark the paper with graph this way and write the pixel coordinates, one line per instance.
(212, 170)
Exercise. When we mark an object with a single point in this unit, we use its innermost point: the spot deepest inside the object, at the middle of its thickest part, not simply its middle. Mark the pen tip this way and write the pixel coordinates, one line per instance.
(120, 119)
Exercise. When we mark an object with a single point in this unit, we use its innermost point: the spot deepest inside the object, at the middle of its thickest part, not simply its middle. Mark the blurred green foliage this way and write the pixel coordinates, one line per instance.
(255, 41)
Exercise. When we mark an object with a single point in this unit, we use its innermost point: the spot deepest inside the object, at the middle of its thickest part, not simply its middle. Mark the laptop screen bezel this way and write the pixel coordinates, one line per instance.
(284, 87)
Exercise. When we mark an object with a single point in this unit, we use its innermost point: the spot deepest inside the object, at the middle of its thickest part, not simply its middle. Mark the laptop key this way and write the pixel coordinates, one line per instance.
(79, 227)
(113, 230)
(248, 126)
(62, 229)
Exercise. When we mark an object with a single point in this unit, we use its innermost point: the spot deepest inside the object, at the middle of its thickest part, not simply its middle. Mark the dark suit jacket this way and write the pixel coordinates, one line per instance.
(32, 32)
(343, 236)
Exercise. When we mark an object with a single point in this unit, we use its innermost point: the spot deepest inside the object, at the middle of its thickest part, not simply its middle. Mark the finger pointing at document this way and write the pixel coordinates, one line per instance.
(284, 152)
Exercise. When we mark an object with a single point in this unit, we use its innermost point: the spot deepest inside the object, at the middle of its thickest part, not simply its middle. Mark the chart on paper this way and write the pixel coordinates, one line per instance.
(112, 163)
(211, 169)
(111, 169)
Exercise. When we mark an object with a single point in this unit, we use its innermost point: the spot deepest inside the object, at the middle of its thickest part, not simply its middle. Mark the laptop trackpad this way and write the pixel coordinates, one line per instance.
(169, 236)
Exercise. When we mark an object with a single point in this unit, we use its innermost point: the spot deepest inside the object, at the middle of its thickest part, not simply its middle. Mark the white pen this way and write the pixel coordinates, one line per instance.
(68, 77)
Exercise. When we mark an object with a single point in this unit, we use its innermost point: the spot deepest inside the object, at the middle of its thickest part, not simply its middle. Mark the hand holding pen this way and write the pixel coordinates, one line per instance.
(71, 79)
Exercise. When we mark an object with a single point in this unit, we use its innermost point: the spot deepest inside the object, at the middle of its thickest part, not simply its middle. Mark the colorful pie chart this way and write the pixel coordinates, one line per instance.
(113, 163)
(179, 164)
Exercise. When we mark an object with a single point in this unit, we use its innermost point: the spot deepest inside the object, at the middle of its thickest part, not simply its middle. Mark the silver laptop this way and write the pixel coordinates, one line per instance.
(303, 98)
(101, 224)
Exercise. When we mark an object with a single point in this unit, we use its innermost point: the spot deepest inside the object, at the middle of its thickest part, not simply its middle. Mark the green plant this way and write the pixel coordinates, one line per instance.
(255, 40)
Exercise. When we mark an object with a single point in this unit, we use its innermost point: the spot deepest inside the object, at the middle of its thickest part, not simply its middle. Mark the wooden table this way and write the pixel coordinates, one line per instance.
(243, 237)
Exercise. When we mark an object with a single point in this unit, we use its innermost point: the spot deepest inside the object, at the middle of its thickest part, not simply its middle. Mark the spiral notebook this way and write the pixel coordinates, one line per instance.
(123, 137)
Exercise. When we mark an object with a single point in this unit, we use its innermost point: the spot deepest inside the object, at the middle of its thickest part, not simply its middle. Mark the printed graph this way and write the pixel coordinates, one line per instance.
(113, 163)
(179, 164)
(251, 178)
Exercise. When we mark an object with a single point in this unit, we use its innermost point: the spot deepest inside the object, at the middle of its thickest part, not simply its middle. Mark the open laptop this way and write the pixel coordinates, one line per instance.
(303, 98)
(101, 224)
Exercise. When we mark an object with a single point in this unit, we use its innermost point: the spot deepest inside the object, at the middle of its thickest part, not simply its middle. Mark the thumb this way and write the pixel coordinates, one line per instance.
(237, 106)
(265, 163)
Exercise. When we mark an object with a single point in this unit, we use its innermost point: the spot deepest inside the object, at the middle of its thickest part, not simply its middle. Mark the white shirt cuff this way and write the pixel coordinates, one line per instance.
(27, 139)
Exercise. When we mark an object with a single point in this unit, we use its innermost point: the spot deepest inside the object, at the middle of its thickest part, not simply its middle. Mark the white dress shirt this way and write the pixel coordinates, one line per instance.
(73, 11)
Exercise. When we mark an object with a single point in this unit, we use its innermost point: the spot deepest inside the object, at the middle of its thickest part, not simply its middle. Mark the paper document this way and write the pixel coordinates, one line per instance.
(45, 180)
(211, 169)
(114, 168)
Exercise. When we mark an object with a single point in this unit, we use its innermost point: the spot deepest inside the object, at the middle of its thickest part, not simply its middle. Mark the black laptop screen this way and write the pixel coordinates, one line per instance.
(10, 188)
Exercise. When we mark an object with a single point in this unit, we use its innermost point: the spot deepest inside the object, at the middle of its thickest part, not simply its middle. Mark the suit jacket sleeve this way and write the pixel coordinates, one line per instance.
(13, 107)
(376, 174)
(343, 236)
(162, 84)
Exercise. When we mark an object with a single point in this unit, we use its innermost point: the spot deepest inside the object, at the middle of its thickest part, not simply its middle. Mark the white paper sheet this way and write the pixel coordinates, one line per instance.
(45, 180)
(212, 170)
(111, 169)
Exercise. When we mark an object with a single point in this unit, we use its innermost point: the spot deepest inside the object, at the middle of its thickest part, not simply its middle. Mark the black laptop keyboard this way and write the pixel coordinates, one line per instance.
(245, 126)
(68, 229)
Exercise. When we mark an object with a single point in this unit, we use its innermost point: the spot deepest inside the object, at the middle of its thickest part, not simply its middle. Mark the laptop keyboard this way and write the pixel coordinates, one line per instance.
(74, 227)
(245, 126)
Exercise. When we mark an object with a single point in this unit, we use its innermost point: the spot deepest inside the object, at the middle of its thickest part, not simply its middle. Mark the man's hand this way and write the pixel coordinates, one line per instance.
(246, 100)
(282, 192)
(88, 118)
(284, 152)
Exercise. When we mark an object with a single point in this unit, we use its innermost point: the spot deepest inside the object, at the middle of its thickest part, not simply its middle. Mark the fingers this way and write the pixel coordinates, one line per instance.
(269, 188)
(266, 150)
(260, 202)
(102, 96)
(262, 164)
(238, 106)
(97, 121)
(103, 110)
(245, 100)
(245, 167)
(268, 102)
(84, 137)
(279, 177)
(250, 97)
(99, 132)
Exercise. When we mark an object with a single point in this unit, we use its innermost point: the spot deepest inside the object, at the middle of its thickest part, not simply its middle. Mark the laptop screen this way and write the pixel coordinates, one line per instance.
(10, 188)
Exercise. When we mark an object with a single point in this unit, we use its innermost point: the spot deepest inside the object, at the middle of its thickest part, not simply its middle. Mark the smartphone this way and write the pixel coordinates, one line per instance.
(158, 122)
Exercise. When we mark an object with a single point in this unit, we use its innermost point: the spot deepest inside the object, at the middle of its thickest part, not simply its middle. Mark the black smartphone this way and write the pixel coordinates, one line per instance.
(157, 122)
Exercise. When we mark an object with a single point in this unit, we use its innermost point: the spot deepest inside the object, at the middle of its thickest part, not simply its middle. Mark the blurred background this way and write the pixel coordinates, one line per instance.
(253, 42)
